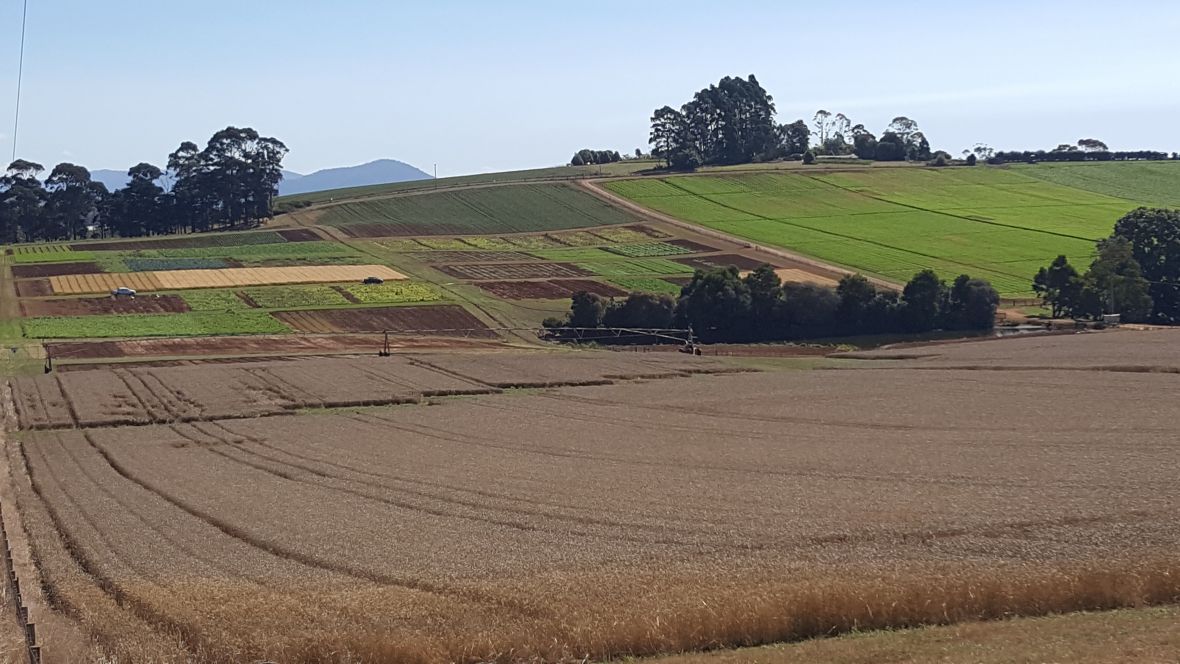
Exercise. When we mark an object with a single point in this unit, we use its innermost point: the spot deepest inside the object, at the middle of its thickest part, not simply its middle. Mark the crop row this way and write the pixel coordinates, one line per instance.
(204, 323)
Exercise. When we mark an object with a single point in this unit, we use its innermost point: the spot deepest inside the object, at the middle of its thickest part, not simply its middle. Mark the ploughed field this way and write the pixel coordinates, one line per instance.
(1001, 224)
(510, 505)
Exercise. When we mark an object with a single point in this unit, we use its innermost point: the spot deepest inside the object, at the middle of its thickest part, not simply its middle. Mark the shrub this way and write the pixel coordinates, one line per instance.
(809, 157)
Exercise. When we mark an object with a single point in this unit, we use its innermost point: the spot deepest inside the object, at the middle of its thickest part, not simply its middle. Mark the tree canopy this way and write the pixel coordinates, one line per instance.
(230, 182)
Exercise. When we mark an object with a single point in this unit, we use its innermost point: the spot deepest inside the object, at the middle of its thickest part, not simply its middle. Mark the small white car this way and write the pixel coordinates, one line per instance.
(123, 291)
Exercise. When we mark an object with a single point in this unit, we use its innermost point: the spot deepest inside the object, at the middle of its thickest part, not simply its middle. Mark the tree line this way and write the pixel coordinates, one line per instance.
(720, 305)
(1136, 273)
(230, 182)
(586, 157)
(733, 122)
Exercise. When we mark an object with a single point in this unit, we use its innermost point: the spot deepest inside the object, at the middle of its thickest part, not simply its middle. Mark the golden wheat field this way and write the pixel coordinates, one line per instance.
(217, 278)
(531, 506)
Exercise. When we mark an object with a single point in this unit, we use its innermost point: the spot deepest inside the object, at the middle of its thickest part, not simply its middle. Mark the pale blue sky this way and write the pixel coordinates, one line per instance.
(479, 86)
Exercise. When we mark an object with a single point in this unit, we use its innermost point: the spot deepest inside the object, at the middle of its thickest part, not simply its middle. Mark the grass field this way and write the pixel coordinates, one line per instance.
(646, 285)
(204, 323)
(999, 224)
(60, 256)
(1152, 183)
(517, 209)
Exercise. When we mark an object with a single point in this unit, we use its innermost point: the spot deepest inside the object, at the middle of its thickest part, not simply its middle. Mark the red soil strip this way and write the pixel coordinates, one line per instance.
(91, 306)
(439, 320)
(525, 290)
(695, 247)
(300, 235)
(596, 287)
(33, 288)
(509, 271)
(346, 295)
(53, 270)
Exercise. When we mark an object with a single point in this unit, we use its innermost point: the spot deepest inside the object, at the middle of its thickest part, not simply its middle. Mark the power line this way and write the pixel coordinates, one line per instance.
(20, 71)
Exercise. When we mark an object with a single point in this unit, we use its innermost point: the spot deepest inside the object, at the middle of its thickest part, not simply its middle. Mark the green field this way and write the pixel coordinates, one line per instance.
(213, 299)
(23, 258)
(635, 267)
(647, 250)
(394, 292)
(646, 285)
(995, 223)
(295, 297)
(1152, 183)
(517, 209)
(194, 324)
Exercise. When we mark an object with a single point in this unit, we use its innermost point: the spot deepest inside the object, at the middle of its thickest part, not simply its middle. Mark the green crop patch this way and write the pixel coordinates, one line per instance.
(22, 249)
(648, 250)
(646, 285)
(251, 253)
(191, 324)
(1151, 183)
(146, 264)
(575, 254)
(635, 267)
(295, 297)
(998, 224)
(492, 210)
(398, 292)
(213, 299)
(30, 257)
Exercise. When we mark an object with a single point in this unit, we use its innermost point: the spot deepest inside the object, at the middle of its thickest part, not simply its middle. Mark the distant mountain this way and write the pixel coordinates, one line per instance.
(382, 171)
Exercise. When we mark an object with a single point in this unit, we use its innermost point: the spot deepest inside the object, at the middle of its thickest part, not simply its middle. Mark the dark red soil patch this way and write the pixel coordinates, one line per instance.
(346, 295)
(525, 290)
(440, 320)
(93, 306)
(248, 300)
(723, 260)
(679, 281)
(557, 289)
(300, 235)
(510, 271)
(596, 287)
(53, 270)
(252, 345)
(695, 247)
(33, 288)
(446, 257)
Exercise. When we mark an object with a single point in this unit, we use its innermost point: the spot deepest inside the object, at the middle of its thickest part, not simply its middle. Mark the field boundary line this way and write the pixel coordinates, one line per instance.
(27, 604)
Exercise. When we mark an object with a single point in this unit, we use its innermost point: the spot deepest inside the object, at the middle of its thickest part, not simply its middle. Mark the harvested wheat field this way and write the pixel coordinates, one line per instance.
(218, 278)
(619, 504)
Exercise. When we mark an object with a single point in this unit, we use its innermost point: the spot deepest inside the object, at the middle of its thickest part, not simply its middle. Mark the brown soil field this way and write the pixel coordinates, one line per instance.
(33, 287)
(508, 271)
(548, 290)
(444, 257)
(218, 278)
(658, 506)
(437, 320)
(300, 235)
(53, 269)
(260, 345)
(143, 304)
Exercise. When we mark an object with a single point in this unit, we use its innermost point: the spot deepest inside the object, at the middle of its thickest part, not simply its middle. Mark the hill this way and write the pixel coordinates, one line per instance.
(382, 171)
(1001, 224)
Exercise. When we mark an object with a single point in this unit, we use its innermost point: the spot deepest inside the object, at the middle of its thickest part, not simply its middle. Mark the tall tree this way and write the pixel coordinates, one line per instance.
(669, 133)
(1115, 283)
(73, 200)
(1060, 287)
(922, 300)
(1154, 237)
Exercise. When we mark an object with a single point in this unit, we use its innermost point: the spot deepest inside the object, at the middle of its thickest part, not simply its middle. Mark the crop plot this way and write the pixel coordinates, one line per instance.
(224, 278)
(293, 297)
(199, 241)
(636, 234)
(434, 320)
(192, 324)
(722, 261)
(26, 258)
(213, 300)
(154, 264)
(646, 285)
(491, 210)
(436, 257)
(428, 526)
(396, 292)
(557, 289)
(33, 288)
(54, 269)
(648, 250)
(509, 271)
(635, 267)
(144, 304)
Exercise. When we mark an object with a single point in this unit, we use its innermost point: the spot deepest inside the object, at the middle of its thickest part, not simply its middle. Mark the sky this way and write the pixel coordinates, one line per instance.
(477, 86)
